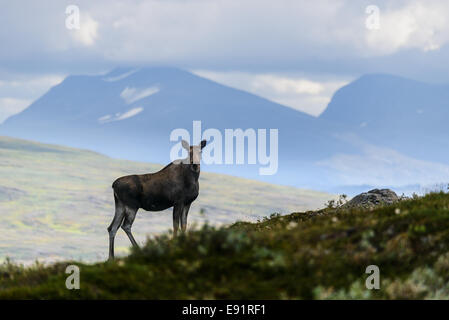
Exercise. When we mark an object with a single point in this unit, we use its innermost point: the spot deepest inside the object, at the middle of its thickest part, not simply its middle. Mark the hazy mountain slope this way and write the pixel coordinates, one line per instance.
(390, 111)
(379, 130)
(176, 99)
(56, 202)
(130, 114)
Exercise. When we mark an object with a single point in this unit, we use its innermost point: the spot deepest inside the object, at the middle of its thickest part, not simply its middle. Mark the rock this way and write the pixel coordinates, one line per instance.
(373, 198)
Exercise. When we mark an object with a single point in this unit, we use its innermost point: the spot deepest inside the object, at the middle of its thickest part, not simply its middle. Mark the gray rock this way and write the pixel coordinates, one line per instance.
(373, 198)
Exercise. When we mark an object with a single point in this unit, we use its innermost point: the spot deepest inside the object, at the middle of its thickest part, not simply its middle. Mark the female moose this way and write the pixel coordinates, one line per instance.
(176, 185)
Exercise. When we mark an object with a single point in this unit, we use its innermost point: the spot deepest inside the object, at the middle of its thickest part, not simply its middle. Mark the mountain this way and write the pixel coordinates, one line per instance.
(379, 130)
(56, 202)
(130, 113)
(405, 115)
(398, 127)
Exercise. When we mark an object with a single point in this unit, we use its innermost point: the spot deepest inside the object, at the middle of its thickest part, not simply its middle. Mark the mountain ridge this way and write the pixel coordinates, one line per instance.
(130, 112)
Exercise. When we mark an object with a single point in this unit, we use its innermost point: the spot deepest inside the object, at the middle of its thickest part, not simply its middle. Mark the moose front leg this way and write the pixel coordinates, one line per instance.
(177, 212)
(185, 212)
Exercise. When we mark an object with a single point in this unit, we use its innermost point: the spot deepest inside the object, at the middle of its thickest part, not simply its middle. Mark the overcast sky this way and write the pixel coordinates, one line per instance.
(291, 51)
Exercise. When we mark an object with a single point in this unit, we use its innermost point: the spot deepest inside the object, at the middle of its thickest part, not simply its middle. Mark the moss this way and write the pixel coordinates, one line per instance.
(317, 254)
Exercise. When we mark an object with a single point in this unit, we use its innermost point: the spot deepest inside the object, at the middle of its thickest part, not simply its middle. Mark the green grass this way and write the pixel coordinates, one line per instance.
(306, 255)
(56, 202)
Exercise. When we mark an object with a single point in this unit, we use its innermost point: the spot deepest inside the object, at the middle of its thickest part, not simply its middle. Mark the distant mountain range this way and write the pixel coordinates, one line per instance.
(380, 130)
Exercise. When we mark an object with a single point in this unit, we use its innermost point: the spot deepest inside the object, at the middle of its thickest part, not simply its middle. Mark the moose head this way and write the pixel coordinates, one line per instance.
(194, 157)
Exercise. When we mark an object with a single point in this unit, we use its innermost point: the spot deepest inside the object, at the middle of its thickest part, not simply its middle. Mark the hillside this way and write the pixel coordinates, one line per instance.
(321, 255)
(56, 202)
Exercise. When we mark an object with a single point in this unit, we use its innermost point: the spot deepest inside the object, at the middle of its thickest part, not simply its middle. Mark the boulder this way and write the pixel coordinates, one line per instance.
(373, 198)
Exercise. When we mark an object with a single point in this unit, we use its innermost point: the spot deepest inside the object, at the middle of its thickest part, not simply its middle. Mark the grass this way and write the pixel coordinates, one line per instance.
(305, 255)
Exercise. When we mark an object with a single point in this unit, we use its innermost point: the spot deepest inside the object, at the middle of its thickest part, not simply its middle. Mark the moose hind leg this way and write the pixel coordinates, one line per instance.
(115, 224)
(185, 212)
(130, 215)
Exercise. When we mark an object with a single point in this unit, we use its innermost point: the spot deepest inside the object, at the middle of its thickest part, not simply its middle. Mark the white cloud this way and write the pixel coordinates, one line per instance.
(121, 116)
(163, 31)
(251, 33)
(19, 91)
(296, 91)
(421, 25)
(131, 95)
(11, 106)
(87, 34)
(120, 77)
(287, 85)
(33, 85)
(105, 118)
(130, 113)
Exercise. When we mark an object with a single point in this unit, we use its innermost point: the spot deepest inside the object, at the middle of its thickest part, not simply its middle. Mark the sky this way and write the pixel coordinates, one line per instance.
(294, 52)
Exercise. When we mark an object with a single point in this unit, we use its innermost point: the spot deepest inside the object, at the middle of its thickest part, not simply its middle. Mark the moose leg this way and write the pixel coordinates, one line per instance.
(115, 224)
(177, 212)
(130, 215)
(185, 212)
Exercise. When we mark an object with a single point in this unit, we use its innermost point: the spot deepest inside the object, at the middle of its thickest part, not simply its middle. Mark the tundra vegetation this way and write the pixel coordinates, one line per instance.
(304, 255)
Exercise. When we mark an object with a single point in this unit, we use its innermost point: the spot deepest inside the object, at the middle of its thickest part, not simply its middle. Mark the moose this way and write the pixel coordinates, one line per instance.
(176, 185)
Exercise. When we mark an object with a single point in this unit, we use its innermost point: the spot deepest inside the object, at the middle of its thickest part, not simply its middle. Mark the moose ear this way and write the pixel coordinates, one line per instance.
(203, 143)
(185, 145)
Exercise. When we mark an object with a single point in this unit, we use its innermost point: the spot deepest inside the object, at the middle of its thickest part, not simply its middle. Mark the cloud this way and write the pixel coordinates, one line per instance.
(286, 85)
(28, 85)
(252, 36)
(120, 77)
(87, 34)
(121, 116)
(296, 91)
(11, 106)
(131, 95)
(420, 25)
(254, 31)
(17, 92)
